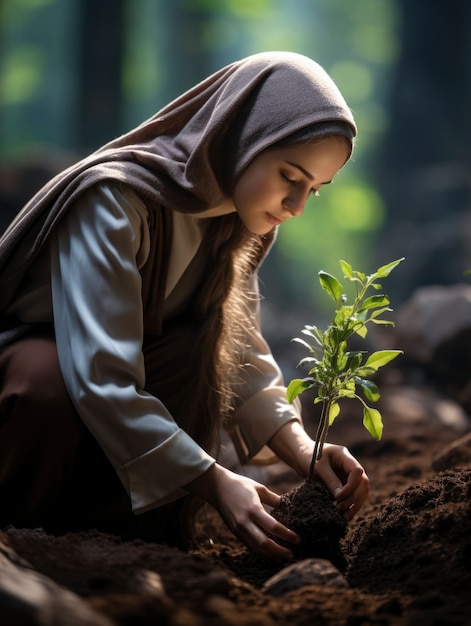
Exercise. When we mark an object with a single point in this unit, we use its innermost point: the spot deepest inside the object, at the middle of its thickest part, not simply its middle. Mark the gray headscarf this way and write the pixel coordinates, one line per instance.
(188, 156)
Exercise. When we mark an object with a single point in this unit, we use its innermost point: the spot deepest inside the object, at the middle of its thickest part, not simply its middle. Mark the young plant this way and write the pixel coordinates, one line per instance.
(336, 371)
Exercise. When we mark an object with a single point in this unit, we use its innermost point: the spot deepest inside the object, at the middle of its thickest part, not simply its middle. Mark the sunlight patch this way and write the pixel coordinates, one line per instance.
(358, 208)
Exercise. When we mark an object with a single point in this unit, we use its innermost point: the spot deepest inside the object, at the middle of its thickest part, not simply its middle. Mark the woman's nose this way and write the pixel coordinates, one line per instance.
(295, 204)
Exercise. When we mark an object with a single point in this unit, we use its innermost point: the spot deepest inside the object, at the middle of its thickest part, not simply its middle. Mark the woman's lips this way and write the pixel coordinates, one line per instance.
(275, 221)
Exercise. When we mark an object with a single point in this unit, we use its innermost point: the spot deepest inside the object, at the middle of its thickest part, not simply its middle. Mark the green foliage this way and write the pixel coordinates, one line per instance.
(21, 77)
(336, 371)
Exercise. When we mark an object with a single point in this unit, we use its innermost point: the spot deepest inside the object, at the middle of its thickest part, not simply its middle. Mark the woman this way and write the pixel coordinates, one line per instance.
(129, 332)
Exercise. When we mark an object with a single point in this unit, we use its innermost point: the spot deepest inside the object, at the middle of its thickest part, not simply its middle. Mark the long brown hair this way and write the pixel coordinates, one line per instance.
(222, 316)
(222, 308)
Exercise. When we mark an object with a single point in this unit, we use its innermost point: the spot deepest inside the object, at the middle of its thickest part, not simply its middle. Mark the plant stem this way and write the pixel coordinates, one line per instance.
(321, 436)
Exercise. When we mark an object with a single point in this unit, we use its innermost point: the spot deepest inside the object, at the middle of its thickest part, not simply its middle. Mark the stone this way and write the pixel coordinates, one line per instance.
(307, 572)
(434, 331)
(28, 598)
(432, 317)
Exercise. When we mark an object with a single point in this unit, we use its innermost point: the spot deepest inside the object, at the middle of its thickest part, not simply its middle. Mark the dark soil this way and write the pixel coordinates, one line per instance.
(310, 511)
(405, 559)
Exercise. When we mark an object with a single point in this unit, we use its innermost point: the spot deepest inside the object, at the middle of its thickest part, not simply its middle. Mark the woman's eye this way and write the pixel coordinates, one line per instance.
(287, 179)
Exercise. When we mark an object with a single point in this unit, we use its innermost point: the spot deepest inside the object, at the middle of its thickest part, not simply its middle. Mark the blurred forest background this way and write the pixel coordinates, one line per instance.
(76, 73)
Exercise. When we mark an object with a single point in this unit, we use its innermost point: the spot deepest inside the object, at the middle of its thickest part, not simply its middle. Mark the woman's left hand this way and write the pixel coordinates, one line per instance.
(338, 468)
(345, 478)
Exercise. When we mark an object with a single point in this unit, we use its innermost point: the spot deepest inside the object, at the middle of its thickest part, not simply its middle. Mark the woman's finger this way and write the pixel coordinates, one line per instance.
(254, 535)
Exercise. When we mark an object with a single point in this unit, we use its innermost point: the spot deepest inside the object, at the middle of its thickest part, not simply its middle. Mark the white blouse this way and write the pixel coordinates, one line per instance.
(90, 285)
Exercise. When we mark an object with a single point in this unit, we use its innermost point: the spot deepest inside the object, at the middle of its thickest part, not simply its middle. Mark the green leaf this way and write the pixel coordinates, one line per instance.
(297, 386)
(333, 412)
(365, 371)
(361, 330)
(308, 360)
(385, 270)
(342, 362)
(374, 301)
(346, 269)
(342, 317)
(313, 332)
(354, 359)
(331, 285)
(332, 337)
(375, 314)
(307, 330)
(382, 322)
(373, 422)
(382, 357)
(360, 276)
(370, 389)
(303, 343)
(347, 392)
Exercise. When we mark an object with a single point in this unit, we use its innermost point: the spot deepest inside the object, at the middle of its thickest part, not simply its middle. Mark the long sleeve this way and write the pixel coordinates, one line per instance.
(262, 407)
(96, 255)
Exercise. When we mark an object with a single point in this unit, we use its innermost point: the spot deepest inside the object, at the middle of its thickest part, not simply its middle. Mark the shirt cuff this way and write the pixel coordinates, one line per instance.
(259, 418)
(159, 475)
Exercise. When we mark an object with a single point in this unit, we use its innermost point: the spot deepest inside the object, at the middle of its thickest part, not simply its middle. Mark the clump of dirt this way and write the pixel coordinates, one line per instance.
(311, 512)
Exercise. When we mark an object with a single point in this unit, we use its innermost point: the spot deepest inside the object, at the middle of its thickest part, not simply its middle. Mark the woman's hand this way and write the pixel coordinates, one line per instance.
(338, 469)
(345, 478)
(238, 500)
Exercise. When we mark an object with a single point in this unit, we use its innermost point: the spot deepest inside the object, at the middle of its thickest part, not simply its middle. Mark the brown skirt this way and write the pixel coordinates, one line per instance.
(53, 473)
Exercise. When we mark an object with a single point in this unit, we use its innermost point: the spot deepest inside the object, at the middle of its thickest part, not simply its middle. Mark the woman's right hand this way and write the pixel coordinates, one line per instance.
(239, 500)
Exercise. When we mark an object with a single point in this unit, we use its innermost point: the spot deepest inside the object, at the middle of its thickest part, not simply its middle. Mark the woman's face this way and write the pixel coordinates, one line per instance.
(277, 183)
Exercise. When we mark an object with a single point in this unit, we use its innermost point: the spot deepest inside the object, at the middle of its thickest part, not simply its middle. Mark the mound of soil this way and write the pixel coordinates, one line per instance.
(434, 518)
(406, 556)
(310, 511)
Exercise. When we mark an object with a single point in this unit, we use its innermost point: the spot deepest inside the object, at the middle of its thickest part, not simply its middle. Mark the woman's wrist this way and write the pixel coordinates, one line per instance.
(206, 485)
(293, 445)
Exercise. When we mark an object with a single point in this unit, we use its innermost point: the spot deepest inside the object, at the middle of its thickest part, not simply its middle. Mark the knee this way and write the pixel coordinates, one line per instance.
(32, 384)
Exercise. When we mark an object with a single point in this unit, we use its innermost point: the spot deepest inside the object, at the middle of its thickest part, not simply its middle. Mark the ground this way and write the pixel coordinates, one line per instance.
(407, 553)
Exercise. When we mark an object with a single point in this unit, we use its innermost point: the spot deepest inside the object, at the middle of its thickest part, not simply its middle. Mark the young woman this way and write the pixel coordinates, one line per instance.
(129, 330)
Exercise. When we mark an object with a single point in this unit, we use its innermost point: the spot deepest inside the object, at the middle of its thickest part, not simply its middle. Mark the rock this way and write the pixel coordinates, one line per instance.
(434, 330)
(423, 407)
(27, 598)
(302, 573)
(147, 583)
(432, 316)
(456, 455)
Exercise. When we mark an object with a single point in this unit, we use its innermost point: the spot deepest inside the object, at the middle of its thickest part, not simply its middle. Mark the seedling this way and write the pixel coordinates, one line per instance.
(336, 371)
